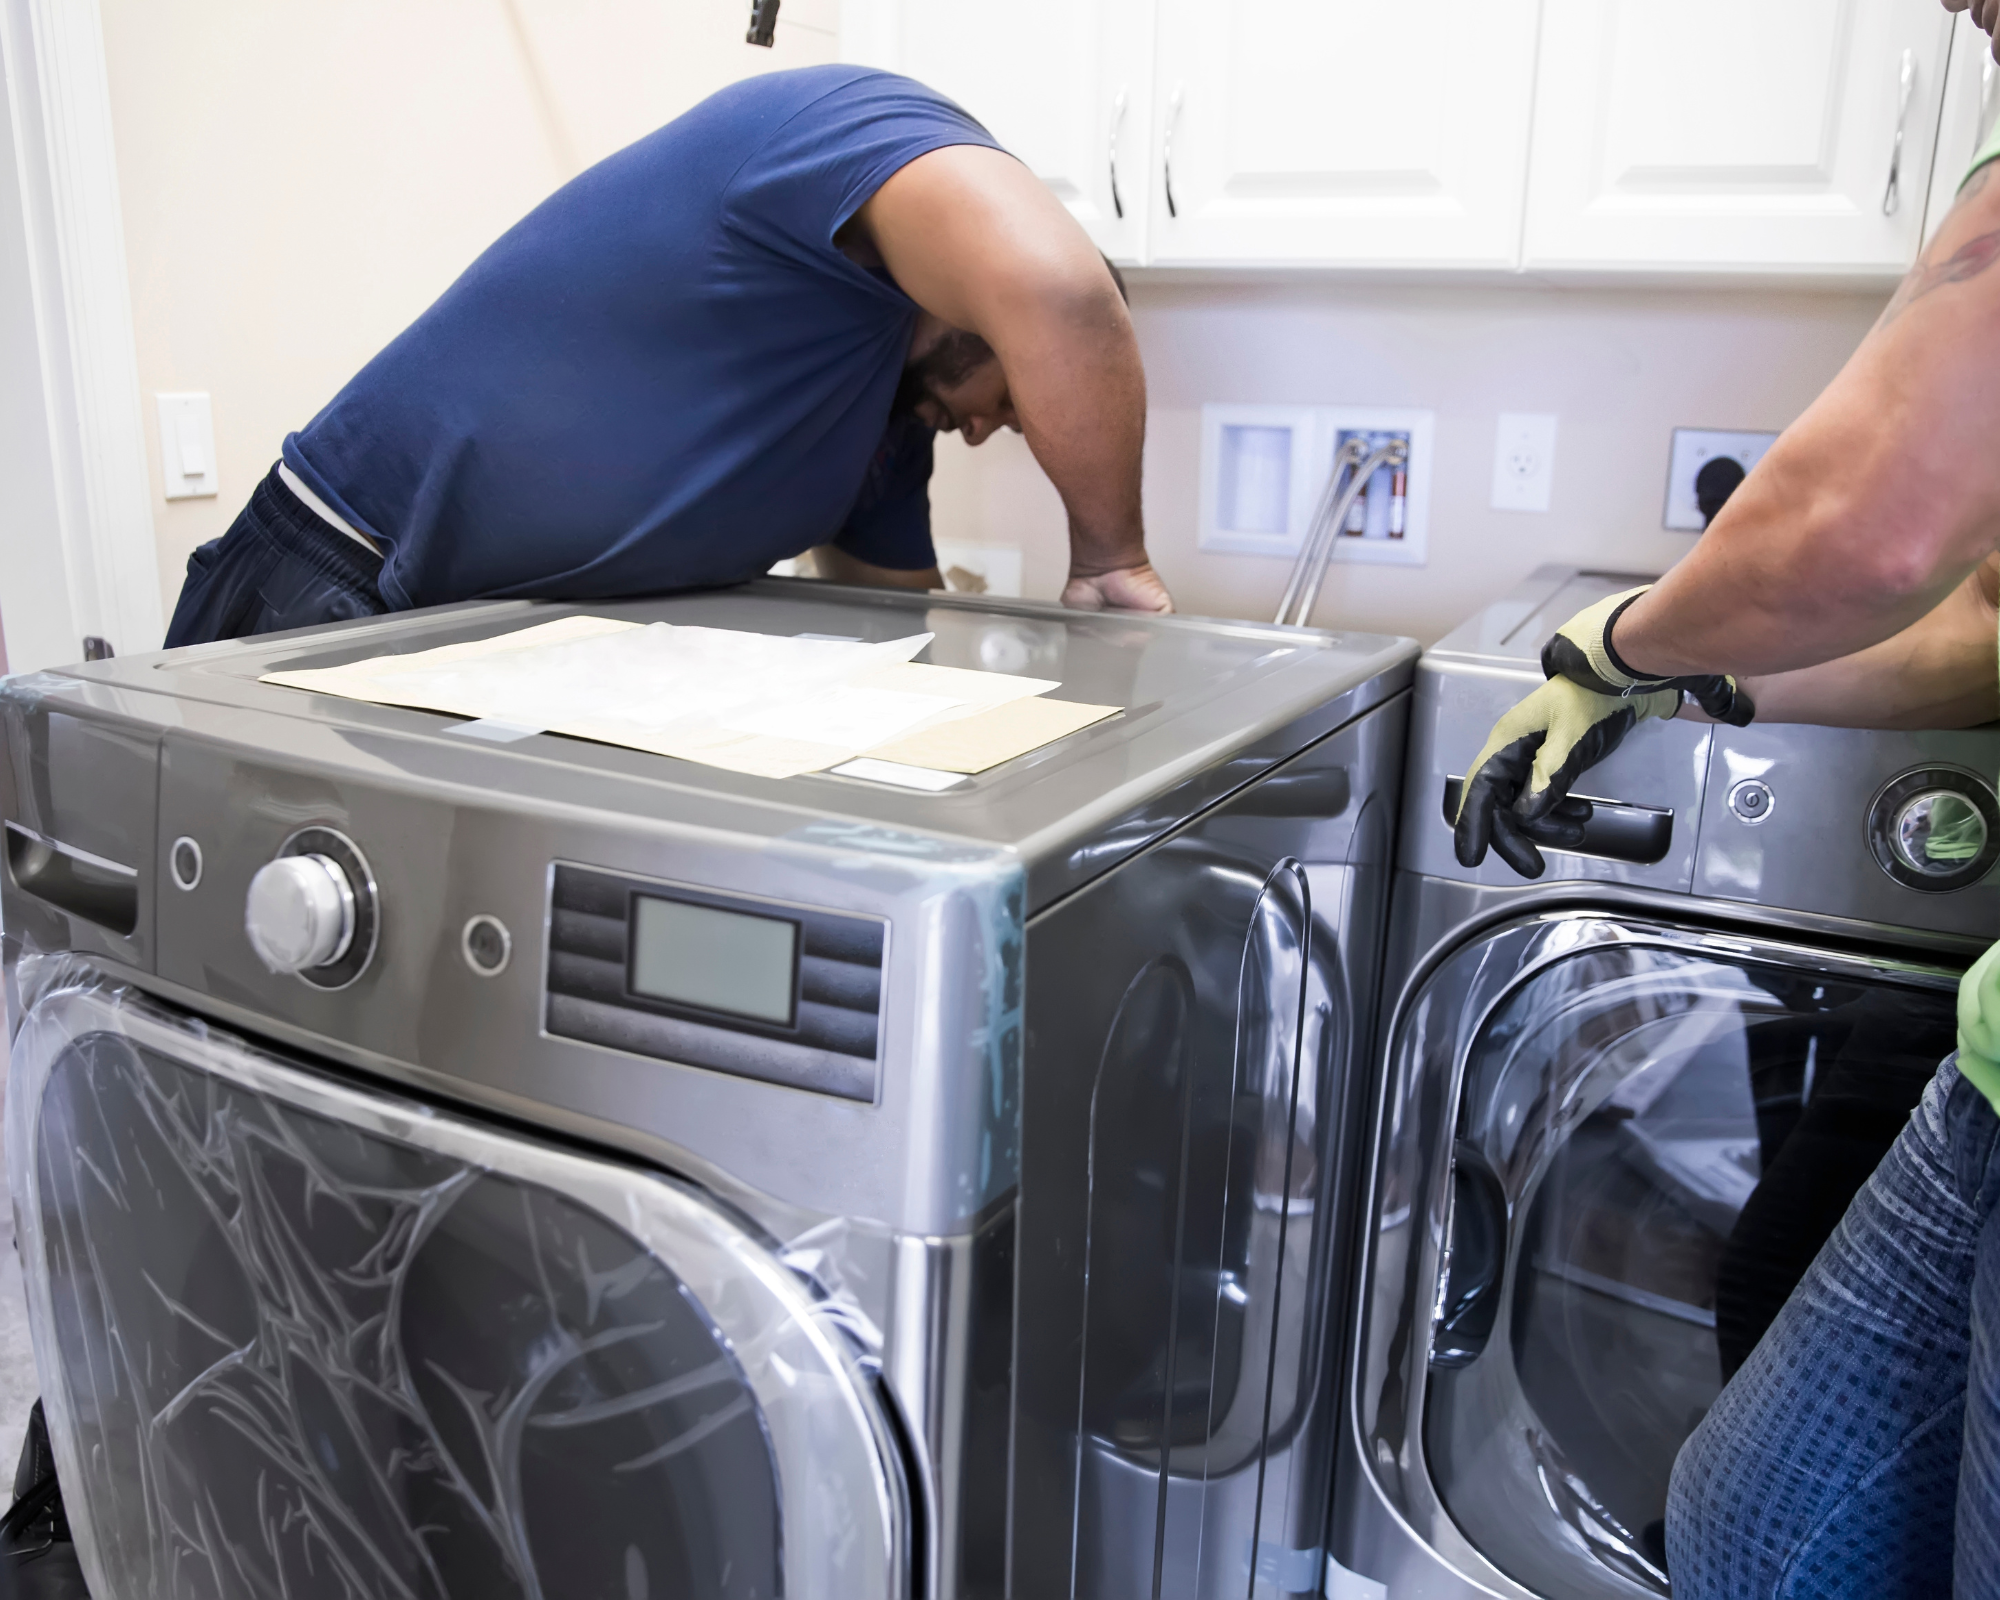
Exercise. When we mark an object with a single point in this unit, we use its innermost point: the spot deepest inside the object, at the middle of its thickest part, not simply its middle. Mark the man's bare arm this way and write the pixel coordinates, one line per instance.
(1940, 672)
(1874, 505)
(975, 239)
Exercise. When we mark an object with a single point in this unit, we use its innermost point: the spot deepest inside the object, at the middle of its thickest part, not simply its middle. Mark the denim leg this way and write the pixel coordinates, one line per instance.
(1976, 1138)
(1829, 1465)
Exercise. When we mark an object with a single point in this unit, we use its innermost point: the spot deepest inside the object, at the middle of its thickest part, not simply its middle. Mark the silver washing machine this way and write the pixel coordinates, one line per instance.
(972, 1227)
(1622, 1106)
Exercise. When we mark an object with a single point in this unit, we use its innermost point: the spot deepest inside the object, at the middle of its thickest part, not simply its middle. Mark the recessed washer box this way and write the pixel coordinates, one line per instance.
(1264, 470)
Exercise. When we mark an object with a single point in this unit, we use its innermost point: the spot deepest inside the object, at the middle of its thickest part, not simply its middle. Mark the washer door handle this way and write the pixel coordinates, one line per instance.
(1617, 829)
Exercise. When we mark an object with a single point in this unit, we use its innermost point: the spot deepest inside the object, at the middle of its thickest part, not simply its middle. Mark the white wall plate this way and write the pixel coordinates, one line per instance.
(1693, 449)
(1264, 469)
(980, 568)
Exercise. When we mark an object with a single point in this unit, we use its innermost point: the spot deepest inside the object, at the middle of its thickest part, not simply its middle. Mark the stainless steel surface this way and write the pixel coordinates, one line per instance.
(1245, 797)
(1193, 1025)
(1775, 867)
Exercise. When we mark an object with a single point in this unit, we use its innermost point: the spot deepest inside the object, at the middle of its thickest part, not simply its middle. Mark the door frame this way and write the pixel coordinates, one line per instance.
(77, 549)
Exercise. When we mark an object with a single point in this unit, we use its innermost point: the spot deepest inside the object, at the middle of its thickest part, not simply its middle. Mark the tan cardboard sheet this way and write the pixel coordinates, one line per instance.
(972, 744)
(751, 703)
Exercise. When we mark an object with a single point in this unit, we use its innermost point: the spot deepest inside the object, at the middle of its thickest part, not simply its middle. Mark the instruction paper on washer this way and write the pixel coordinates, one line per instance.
(762, 704)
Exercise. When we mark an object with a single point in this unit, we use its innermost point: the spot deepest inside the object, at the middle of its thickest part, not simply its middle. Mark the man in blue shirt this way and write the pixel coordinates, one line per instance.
(730, 343)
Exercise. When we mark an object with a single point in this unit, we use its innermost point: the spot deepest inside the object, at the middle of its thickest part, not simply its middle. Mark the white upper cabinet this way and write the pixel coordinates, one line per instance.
(1066, 85)
(1970, 106)
(1734, 135)
(1342, 132)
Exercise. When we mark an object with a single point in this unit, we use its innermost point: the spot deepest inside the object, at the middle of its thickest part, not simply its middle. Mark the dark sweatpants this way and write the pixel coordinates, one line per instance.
(279, 566)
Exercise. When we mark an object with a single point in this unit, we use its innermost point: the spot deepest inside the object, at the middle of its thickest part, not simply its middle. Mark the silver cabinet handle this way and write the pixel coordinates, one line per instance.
(1893, 195)
(1117, 122)
(1167, 148)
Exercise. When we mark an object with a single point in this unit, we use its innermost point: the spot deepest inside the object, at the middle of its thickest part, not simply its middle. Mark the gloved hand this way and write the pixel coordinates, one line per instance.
(1517, 793)
(1582, 652)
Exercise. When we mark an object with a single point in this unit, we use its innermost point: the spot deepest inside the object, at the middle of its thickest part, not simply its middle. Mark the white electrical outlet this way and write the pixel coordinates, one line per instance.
(1264, 471)
(1524, 461)
(1695, 448)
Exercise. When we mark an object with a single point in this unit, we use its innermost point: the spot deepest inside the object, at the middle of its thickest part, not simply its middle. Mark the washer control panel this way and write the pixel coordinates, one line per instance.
(1935, 829)
(758, 988)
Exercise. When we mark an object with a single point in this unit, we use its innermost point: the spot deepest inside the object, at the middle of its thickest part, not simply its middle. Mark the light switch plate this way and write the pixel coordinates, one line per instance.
(1524, 461)
(187, 445)
(1693, 449)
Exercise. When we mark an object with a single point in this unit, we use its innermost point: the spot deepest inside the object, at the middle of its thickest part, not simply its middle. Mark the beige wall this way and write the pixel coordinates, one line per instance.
(300, 178)
(1620, 368)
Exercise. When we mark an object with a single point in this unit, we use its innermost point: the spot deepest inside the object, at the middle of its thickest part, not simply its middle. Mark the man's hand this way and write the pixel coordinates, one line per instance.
(1121, 589)
(1517, 793)
(1581, 651)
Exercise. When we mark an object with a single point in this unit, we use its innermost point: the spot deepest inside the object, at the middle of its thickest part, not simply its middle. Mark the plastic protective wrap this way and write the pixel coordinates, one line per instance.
(302, 1338)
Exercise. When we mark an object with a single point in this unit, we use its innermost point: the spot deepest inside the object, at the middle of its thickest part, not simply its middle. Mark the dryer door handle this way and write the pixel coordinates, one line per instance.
(1617, 830)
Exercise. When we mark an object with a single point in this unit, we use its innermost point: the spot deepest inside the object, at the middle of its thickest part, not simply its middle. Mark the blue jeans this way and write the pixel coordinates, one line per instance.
(1857, 1452)
(279, 566)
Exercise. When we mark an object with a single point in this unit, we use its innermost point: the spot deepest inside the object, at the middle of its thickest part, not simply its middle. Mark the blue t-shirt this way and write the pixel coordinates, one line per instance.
(665, 376)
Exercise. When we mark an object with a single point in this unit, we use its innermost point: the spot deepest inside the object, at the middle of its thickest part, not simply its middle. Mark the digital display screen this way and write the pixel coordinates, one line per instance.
(717, 960)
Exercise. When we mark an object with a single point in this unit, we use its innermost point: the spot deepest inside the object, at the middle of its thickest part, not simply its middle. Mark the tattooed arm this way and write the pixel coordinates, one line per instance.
(1874, 505)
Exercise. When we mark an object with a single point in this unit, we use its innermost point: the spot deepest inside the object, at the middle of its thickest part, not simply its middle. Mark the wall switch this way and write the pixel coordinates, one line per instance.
(1524, 461)
(187, 445)
(1696, 448)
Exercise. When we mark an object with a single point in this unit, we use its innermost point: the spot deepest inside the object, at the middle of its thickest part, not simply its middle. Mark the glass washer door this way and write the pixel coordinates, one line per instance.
(297, 1338)
(1641, 1138)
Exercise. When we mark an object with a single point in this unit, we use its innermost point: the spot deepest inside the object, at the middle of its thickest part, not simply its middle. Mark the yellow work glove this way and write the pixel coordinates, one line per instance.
(1979, 1023)
(1582, 652)
(1516, 794)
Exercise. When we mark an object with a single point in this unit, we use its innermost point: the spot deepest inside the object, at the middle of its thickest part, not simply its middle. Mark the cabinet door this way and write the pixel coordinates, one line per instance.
(1342, 133)
(1969, 108)
(1066, 85)
(1734, 135)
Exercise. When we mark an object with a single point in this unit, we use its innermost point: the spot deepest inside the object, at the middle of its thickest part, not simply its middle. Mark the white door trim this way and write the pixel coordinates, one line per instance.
(60, 103)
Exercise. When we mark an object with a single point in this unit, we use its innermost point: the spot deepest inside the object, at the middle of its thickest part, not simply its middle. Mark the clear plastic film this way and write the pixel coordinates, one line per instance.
(306, 1338)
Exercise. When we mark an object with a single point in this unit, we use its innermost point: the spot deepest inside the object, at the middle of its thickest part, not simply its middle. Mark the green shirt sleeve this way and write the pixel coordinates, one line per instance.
(1989, 151)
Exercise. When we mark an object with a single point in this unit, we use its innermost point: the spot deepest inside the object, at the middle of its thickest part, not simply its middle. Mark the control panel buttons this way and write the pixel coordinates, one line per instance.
(1935, 829)
(184, 862)
(300, 913)
(487, 945)
(1752, 800)
(311, 912)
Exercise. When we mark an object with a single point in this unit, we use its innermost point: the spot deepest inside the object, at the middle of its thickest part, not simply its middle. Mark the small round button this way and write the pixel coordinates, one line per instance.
(184, 862)
(1752, 800)
(299, 913)
(487, 945)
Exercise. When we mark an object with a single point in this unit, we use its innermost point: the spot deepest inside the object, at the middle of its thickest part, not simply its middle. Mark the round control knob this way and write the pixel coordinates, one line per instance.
(300, 913)
(1938, 833)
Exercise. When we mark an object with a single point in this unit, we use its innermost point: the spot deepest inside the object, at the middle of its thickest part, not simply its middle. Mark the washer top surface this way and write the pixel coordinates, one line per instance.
(1207, 706)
